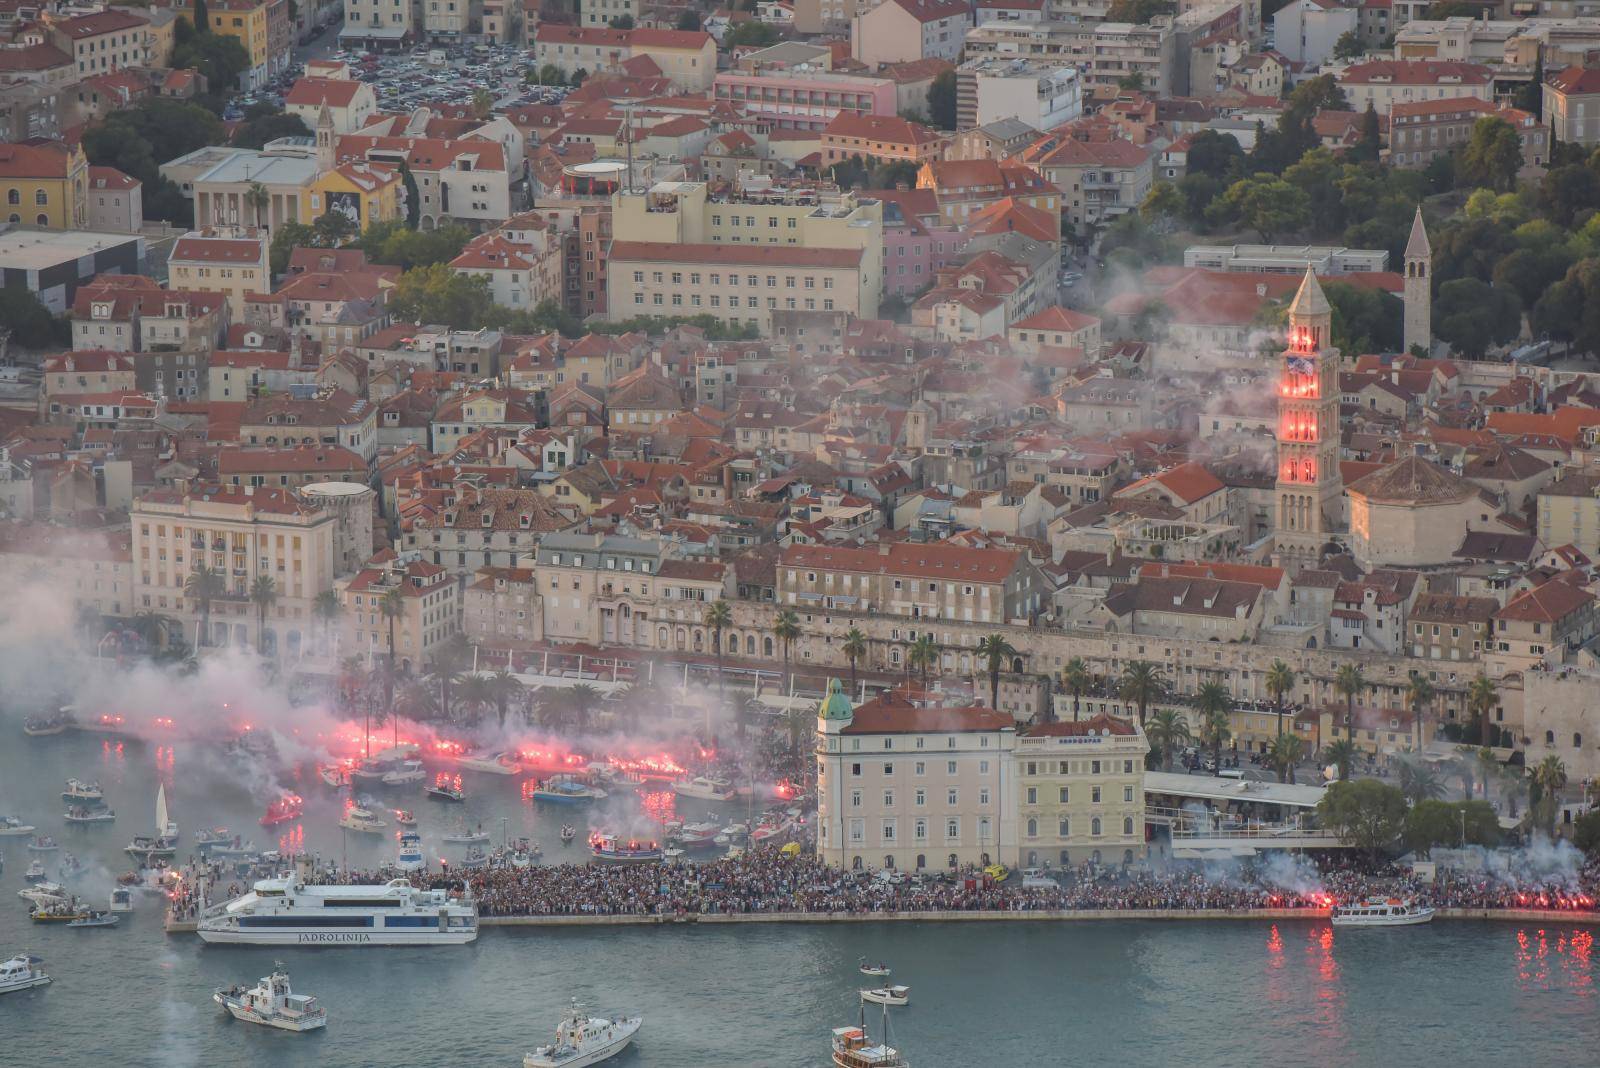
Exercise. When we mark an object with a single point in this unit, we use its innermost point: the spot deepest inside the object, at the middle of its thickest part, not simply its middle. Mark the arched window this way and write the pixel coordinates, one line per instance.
(922, 861)
(952, 862)
(661, 637)
(733, 643)
(1065, 830)
(766, 646)
(13, 196)
(1127, 825)
(1549, 737)
(1577, 740)
(42, 219)
(1094, 827)
(750, 644)
(1033, 828)
(894, 656)
(888, 864)
(1033, 858)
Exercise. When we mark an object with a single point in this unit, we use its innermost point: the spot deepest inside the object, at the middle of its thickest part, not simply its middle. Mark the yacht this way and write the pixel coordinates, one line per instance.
(408, 772)
(563, 790)
(40, 892)
(362, 821)
(285, 911)
(22, 972)
(502, 763)
(704, 788)
(1381, 912)
(888, 995)
(83, 793)
(410, 855)
(332, 775)
(272, 1004)
(582, 1040)
(79, 816)
(58, 910)
(35, 873)
(45, 726)
(121, 900)
(700, 835)
(466, 837)
(379, 764)
(610, 849)
(11, 827)
(206, 837)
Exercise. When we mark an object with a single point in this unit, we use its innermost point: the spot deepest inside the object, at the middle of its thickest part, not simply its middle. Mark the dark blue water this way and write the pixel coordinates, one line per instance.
(1125, 993)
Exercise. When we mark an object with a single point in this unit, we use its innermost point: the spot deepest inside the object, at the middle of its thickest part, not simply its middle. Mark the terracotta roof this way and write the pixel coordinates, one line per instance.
(1184, 596)
(40, 159)
(111, 178)
(1101, 724)
(232, 461)
(1413, 480)
(98, 23)
(32, 58)
(1189, 482)
(934, 10)
(1056, 318)
(1415, 72)
(890, 129)
(891, 713)
(217, 249)
(1442, 608)
(315, 92)
(1575, 79)
(1550, 603)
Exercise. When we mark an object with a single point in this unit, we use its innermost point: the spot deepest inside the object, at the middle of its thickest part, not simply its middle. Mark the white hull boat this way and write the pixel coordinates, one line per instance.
(888, 995)
(1388, 912)
(410, 772)
(22, 972)
(467, 838)
(504, 763)
(286, 912)
(702, 788)
(11, 827)
(42, 893)
(410, 855)
(83, 817)
(583, 1040)
(362, 821)
(271, 1003)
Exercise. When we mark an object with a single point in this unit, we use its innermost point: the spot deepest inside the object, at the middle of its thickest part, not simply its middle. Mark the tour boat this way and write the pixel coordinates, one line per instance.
(11, 827)
(83, 793)
(22, 972)
(568, 834)
(78, 816)
(880, 969)
(284, 810)
(362, 821)
(888, 995)
(121, 900)
(466, 837)
(272, 1004)
(235, 850)
(58, 910)
(611, 849)
(582, 1040)
(284, 911)
(408, 772)
(1381, 912)
(410, 855)
(45, 726)
(43, 843)
(40, 892)
(94, 919)
(404, 817)
(149, 847)
(704, 788)
(854, 1048)
(206, 837)
(562, 790)
(35, 873)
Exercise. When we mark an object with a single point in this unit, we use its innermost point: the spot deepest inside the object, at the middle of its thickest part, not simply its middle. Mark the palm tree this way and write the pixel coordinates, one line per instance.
(1341, 753)
(263, 594)
(1280, 680)
(1141, 683)
(1488, 768)
(798, 721)
(325, 608)
(1419, 781)
(997, 651)
(153, 627)
(258, 200)
(448, 662)
(1550, 777)
(1216, 706)
(579, 701)
(855, 647)
(718, 616)
(924, 653)
(1419, 692)
(1482, 696)
(786, 628)
(350, 679)
(1075, 677)
(477, 694)
(416, 701)
(1348, 681)
(391, 606)
(504, 688)
(1167, 732)
(1287, 751)
(201, 586)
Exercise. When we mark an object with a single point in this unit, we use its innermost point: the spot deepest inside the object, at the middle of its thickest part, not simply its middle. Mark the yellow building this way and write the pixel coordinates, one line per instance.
(247, 21)
(365, 193)
(44, 184)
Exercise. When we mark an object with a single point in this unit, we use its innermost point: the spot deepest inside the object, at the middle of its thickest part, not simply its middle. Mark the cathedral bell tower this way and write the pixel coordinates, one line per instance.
(1308, 481)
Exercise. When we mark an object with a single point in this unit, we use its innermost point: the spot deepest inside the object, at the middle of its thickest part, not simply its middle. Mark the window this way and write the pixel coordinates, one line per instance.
(952, 829)
(855, 769)
(950, 767)
(1094, 795)
(1094, 827)
(952, 797)
(888, 799)
(855, 798)
(1033, 828)
(920, 797)
(1066, 794)
(1033, 795)
(1127, 793)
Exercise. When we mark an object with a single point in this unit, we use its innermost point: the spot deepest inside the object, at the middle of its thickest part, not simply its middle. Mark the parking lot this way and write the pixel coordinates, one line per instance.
(449, 75)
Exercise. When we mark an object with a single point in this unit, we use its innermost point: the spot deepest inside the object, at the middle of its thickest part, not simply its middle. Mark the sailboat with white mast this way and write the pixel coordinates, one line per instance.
(165, 827)
(854, 1048)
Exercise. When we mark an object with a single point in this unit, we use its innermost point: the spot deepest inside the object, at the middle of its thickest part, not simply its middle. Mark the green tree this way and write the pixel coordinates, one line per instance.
(750, 34)
(257, 132)
(287, 237)
(202, 17)
(854, 648)
(1162, 204)
(391, 606)
(1141, 683)
(622, 22)
(1287, 751)
(1570, 310)
(32, 326)
(263, 594)
(333, 229)
(1133, 82)
(257, 199)
(1349, 683)
(325, 609)
(1530, 97)
(1215, 154)
(995, 650)
(1492, 155)
(202, 585)
(1215, 705)
(1567, 191)
(1419, 695)
(1440, 10)
(1349, 46)
(1586, 832)
(1280, 680)
(718, 618)
(1341, 753)
(397, 244)
(1471, 316)
(1270, 206)
(1076, 678)
(1482, 697)
(942, 100)
(1364, 320)
(1138, 12)
(923, 654)
(1167, 732)
(436, 294)
(1549, 776)
(482, 103)
(408, 183)
(689, 21)
(220, 59)
(1370, 147)
(1367, 814)
(1419, 781)
(786, 628)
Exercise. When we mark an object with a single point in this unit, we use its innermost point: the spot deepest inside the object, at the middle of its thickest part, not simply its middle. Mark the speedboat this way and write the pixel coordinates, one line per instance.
(879, 969)
(610, 849)
(11, 827)
(94, 919)
(42, 891)
(404, 817)
(43, 843)
(121, 900)
(410, 855)
(45, 726)
(704, 788)
(362, 821)
(285, 809)
(582, 1040)
(1381, 912)
(207, 837)
(149, 847)
(35, 873)
(466, 837)
(272, 1004)
(379, 764)
(446, 789)
(563, 790)
(502, 763)
(888, 995)
(83, 793)
(333, 775)
(233, 850)
(79, 816)
(769, 828)
(22, 972)
(408, 772)
(568, 833)
(700, 835)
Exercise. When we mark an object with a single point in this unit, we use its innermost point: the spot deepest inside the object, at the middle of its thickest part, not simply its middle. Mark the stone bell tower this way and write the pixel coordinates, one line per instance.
(1418, 288)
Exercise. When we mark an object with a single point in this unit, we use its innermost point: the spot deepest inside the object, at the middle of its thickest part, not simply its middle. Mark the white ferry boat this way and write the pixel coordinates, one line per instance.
(582, 1040)
(285, 911)
(704, 788)
(272, 1004)
(1381, 912)
(22, 972)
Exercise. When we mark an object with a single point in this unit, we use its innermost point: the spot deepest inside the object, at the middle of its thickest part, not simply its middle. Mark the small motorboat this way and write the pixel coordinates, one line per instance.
(272, 1004)
(408, 772)
(568, 834)
(704, 788)
(43, 843)
(404, 817)
(35, 873)
(58, 910)
(410, 855)
(207, 837)
(22, 972)
(362, 821)
(502, 763)
(233, 850)
(333, 775)
(583, 1040)
(71, 866)
(444, 789)
(888, 995)
(565, 790)
(701, 835)
(79, 792)
(43, 891)
(121, 900)
(46, 726)
(94, 919)
(285, 809)
(148, 847)
(79, 816)
(612, 849)
(11, 827)
(879, 969)
(854, 1048)
(769, 828)
(1381, 912)
(466, 837)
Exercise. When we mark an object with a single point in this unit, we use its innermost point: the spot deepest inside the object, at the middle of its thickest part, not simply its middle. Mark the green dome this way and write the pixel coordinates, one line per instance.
(835, 705)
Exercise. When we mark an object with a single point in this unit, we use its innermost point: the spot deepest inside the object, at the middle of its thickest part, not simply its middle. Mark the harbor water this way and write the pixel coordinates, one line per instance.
(1116, 993)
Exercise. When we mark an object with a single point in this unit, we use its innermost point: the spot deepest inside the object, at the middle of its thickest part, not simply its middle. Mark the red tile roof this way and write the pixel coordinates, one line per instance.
(1083, 728)
(315, 92)
(892, 713)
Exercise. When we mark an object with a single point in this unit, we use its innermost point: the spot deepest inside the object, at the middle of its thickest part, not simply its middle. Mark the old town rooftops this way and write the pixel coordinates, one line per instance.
(894, 713)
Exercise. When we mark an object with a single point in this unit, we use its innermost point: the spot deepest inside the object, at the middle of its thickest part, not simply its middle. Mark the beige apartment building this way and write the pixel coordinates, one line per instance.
(242, 533)
(906, 783)
(1569, 513)
(1080, 792)
(233, 264)
(1444, 627)
(427, 622)
(913, 580)
(487, 527)
(90, 570)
